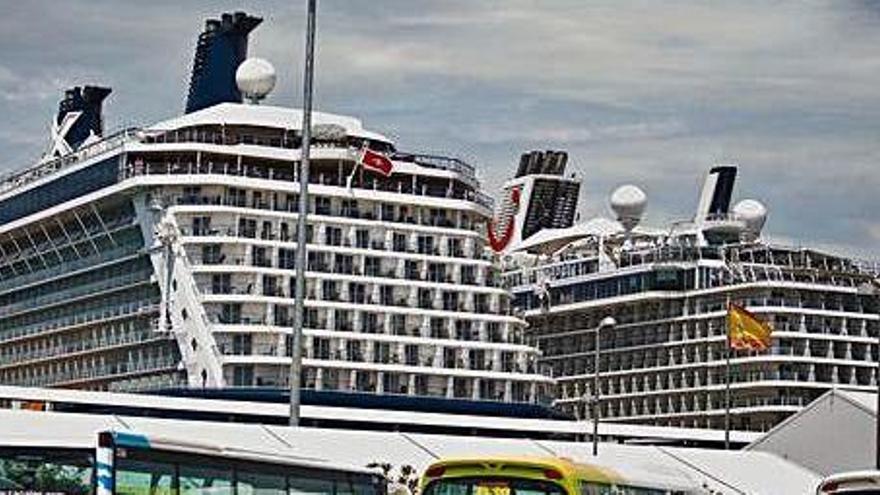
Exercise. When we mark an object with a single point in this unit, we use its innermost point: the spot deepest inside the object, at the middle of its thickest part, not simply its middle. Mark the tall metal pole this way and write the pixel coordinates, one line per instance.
(608, 323)
(594, 413)
(727, 377)
(875, 292)
(299, 306)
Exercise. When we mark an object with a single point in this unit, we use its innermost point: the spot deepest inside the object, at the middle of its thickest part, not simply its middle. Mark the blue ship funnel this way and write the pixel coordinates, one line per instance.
(221, 48)
(79, 118)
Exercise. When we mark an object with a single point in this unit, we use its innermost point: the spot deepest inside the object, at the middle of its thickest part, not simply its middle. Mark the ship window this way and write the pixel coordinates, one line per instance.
(350, 208)
(399, 242)
(236, 197)
(362, 238)
(668, 280)
(372, 266)
(322, 205)
(247, 227)
(201, 225)
(344, 264)
(333, 236)
(425, 244)
(387, 213)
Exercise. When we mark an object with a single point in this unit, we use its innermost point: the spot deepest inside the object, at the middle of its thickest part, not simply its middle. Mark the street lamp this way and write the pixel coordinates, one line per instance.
(608, 323)
(301, 221)
(872, 289)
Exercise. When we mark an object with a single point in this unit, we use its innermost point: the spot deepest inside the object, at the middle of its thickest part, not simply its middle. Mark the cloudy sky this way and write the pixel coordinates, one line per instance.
(649, 92)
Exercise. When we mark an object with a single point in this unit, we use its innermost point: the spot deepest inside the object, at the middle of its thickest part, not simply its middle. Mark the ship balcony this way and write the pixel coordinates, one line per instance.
(318, 213)
(89, 375)
(82, 319)
(120, 253)
(63, 347)
(325, 172)
(88, 290)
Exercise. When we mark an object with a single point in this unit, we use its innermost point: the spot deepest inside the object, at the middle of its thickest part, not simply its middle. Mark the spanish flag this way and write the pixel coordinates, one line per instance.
(745, 331)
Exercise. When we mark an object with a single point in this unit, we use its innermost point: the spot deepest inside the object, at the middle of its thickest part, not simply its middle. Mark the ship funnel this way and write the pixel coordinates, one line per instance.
(80, 119)
(713, 217)
(716, 194)
(220, 50)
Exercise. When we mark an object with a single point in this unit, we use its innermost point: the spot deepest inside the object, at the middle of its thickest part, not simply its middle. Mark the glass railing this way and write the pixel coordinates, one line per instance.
(87, 316)
(356, 270)
(70, 266)
(101, 372)
(271, 173)
(426, 221)
(81, 346)
(149, 383)
(372, 388)
(22, 177)
(88, 289)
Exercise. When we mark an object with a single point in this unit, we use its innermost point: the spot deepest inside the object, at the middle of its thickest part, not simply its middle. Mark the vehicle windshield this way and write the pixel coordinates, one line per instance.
(857, 491)
(606, 489)
(492, 486)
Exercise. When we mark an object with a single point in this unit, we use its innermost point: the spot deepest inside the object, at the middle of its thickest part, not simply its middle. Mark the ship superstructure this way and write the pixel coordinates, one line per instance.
(663, 363)
(163, 257)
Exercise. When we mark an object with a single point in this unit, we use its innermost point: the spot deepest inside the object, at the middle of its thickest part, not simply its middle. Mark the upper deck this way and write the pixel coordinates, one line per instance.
(725, 265)
(235, 139)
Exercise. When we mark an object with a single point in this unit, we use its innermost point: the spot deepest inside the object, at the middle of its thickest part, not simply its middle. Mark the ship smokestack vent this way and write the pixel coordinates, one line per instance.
(542, 163)
(80, 119)
(717, 192)
(220, 49)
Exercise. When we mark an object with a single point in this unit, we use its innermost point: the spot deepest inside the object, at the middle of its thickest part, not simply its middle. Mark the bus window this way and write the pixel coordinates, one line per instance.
(309, 486)
(254, 483)
(492, 486)
(197, 479)
(134, 466)
(355, 485)
(141, 477)
(39, 471)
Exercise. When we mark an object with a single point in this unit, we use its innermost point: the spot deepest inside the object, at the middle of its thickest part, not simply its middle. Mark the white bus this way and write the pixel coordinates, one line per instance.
(125, 463)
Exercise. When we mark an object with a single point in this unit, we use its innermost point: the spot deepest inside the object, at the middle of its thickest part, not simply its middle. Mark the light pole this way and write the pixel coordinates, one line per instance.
(608, 323)
(872, 289)
(301, 239)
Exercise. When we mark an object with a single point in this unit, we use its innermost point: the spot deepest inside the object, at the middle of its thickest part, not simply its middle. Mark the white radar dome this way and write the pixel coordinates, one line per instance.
(753, 214)
(255, 78)
(628, 203)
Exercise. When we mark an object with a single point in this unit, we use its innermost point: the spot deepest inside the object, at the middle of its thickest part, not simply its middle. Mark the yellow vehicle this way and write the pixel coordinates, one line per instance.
(532, 476)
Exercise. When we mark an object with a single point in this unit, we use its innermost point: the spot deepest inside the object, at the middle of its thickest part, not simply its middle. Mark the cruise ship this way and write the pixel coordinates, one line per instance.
(162, 257)
(662, 359)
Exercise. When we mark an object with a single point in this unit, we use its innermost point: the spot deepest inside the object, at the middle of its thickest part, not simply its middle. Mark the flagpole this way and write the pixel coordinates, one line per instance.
(301, 225)
(727, 375)
(354, 169)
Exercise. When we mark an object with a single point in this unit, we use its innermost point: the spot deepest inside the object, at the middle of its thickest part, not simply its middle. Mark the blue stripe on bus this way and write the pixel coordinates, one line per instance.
(104, 476)
(133, 440)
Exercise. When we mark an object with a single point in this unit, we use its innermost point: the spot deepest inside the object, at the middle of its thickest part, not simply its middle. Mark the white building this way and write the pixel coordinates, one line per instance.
(835, 433)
